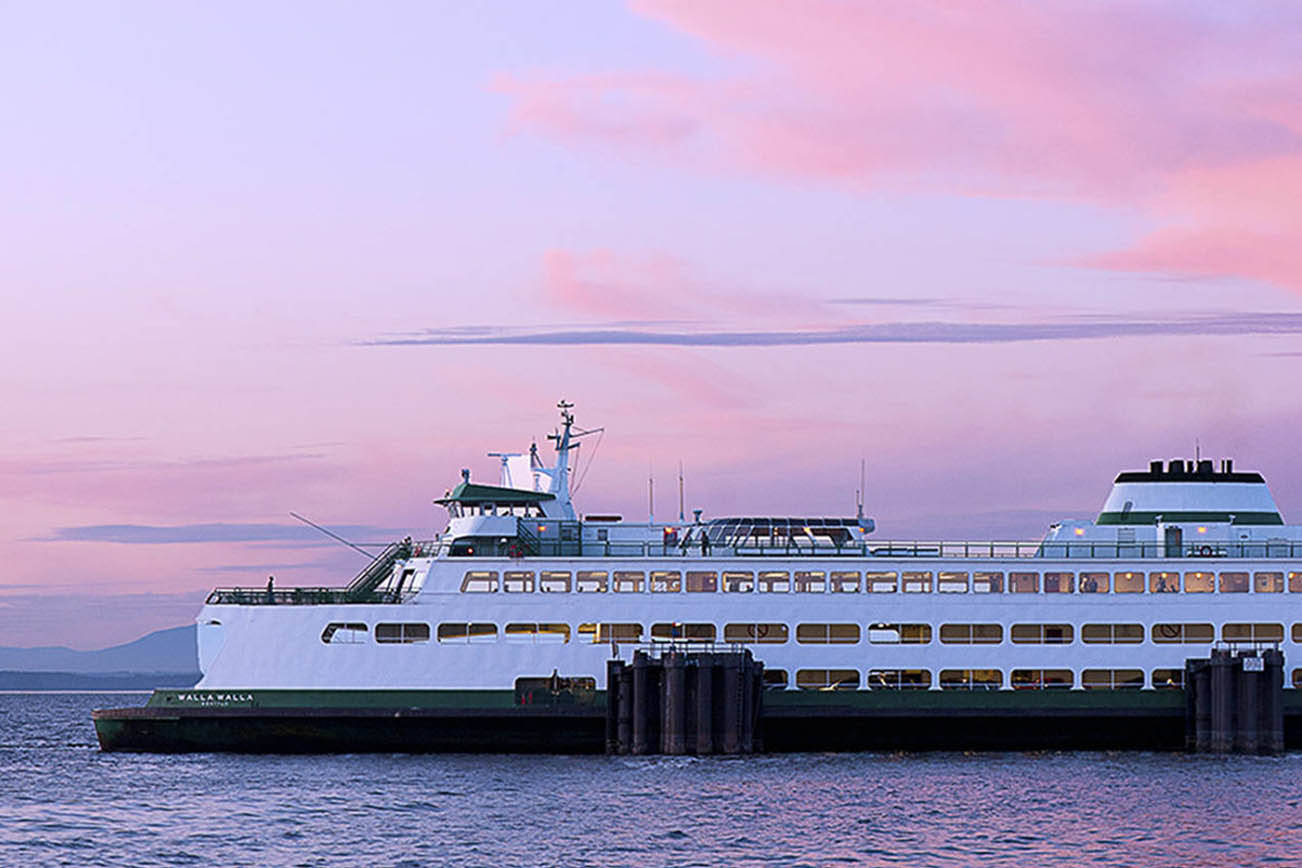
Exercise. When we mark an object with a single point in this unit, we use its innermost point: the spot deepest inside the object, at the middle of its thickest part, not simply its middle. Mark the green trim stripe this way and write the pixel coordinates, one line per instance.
(1272, 518)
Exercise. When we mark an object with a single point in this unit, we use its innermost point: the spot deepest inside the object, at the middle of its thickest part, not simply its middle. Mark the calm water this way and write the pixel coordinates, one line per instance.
(62, 802)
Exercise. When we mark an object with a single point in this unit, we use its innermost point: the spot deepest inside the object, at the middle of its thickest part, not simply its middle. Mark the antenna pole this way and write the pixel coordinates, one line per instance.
(332, 535)
(681, 515)
(650, 497)
(859, 496)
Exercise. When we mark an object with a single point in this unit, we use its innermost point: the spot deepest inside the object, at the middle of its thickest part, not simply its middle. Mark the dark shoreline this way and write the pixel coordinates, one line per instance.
(20, 680)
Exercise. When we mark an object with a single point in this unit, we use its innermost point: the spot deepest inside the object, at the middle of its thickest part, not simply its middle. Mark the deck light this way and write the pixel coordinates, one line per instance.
(1080, 531)
(1202, 530)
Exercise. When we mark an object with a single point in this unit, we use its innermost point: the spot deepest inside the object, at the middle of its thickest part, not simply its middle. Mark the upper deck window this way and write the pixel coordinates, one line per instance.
(629, 581)
(518, 581)
(344, 634)
(1200, 582)
(554, 582)
(774, 582)
(666, 581)
(988, 583)
(1128, 583)
(459, 633)
(479, 581)
(592, 581)
(700, 582)
(763, 634)
(1024, 583)
(1059, 583)
(1234, 583)
(1163, 583)
(1094, 583)
(881, 583)
(401, 633)
(899, 634)
(678, 632)
(949, 582)
(845, 582)
(811, 582)
(917, 581)
(827, 634)
(1294, 583)
(737, 582)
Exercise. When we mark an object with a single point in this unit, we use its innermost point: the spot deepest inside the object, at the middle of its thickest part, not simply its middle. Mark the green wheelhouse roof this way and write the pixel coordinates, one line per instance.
(474, 493)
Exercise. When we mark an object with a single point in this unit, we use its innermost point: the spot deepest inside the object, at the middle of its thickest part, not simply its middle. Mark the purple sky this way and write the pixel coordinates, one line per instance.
(317, 257)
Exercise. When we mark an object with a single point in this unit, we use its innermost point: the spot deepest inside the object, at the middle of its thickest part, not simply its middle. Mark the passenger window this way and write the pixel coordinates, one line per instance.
(738, 582)
(899, 679)
(1199, 583)
(827, 634)
(608, 633)
(479, 582)
(1059, 583)
(1163, 583)
(1253, 632)
(775, 679)
(988, 583)
(592, 582)
(827, 679)
(899, 634)
(917, 582)
(402, 633)
(811, 582)
(971, 634)
(775, 582)
(676, 632)
(344, 634)
(1272, 583)
(702, 583)
(1112, 634)
(456, 633)
(1112, 679)
(1041, 679)
(1183, 634)
(665, 581)
(517, 581)
(952, 583)
(881, 583)
(1094, 583)
(552, 582)
(1234, 583)
(845, 583)
(1024, 583)
(1042, 634)
(1168, 678)
(760, 634)
(629, 581)
(971, 679)
(1128, 583)
(538, 634)
(1294, 582)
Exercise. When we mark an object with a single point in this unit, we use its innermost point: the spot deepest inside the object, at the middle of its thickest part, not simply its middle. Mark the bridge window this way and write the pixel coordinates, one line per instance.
(1183, 634)
(1269, 583)
(952, 583)
(629, 581)
(344, 634)
(899, 634)
(677, 632)
(1059, 583)
(971, 679)
(1199, 583)
(517, 581)
(1041, 679)
(479, 582)
(665, 581)
(899, 679)
(1253, 632)
(1163, 583)
(1112, 679)
(760, 634)
(1024, 583)
(827, 634)
(1112, 634)
(845, 582)
(917, 582)
(592, 582)
(541, 634)
(1042, 634)
(881, 583)
(987, 583)
(775, 582)
(402, 633)
(607, 633)
(1168, 678)
(1234, 583)
(702, 582)
(811, 582)
(827, 679)
(735, 582)
(457, 633)
(1094, 583)
(971, 634)
(1128, 583)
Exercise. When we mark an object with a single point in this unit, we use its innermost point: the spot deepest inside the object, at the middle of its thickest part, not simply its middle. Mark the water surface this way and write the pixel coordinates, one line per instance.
(62, 802)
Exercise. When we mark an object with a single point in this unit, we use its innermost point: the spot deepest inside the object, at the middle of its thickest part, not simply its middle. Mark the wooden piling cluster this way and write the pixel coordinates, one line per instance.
(1234, 702)
(684, 702)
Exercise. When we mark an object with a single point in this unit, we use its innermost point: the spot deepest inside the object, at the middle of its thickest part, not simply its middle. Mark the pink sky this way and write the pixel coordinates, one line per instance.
(318, 258)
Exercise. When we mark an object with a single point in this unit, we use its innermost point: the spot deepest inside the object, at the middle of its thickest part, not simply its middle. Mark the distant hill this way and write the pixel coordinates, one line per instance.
(169, 651)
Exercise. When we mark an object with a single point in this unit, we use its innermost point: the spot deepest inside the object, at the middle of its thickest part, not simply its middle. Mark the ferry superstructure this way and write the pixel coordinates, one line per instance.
(519, 591)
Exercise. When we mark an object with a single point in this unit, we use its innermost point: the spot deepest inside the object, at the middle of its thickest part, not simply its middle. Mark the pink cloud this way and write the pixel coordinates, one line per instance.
(1137, 106)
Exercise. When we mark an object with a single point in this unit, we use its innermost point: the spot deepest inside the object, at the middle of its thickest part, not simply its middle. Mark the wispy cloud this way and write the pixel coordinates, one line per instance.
(221, 532)
(1075, 328)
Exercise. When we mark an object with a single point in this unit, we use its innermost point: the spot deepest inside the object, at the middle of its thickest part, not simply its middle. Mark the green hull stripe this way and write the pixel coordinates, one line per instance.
(1272, 518)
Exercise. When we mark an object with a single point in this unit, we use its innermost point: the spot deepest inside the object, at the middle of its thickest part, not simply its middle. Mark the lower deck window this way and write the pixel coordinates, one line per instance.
(541, 634)
(678, 632)
(1041, 679)
(971, 679)
(344, 634)
(1168, 678)
(456, 632)
(899, 679)
(762, 634)
(1112, 634)
(827, 679)
(1183, 634)
(827, 634)
(1253, 632)
(775, 679)
(1042, 634)
(971, 634)
(607, 633)
(401, 633)
(899, 634)
(1111, 679)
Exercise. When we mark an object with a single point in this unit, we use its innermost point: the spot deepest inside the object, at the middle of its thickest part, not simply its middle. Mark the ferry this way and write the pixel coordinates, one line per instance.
(513, 611)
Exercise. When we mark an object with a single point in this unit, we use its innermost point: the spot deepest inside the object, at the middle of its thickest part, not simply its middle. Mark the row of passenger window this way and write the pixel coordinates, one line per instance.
(877, 582)
(981, 679)
(811, 634)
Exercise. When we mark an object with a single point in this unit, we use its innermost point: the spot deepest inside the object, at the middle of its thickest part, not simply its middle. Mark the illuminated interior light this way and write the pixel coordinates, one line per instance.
(1080, 531)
